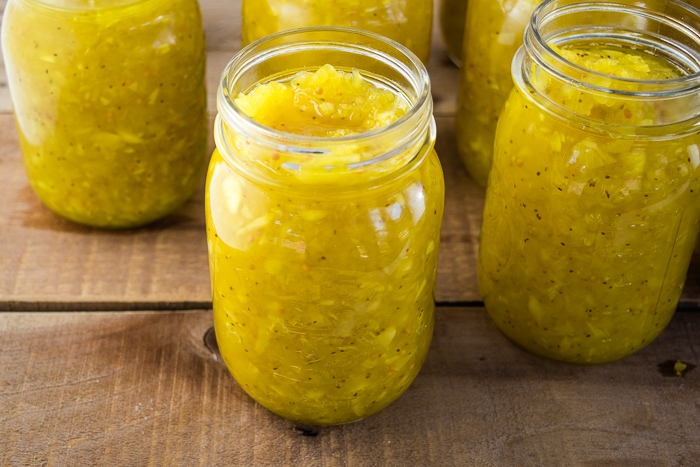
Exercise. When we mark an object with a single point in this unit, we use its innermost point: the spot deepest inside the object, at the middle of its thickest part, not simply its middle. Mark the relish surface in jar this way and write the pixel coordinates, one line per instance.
(592, 206)
(110, 105)
(408, 22)
(323, 250)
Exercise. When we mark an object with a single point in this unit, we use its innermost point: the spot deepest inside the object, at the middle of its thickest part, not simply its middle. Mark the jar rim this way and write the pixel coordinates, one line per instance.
(537, 68)
(250, 55)
(378, 152)
(538, 44)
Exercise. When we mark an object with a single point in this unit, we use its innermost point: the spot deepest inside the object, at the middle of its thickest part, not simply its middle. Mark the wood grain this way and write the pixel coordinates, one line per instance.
(143, 389)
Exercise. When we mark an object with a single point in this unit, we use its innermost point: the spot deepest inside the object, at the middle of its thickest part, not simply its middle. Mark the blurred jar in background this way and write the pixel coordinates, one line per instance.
(493, 32)
(408, 22)
(110, 104)
(453, 15)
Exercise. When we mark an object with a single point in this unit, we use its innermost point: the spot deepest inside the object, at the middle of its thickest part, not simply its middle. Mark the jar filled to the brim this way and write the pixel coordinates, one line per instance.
(593, 201)
(324, 201)
(110, 103)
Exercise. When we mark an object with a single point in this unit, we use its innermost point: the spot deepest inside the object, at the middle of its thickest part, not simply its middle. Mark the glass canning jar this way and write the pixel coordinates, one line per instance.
(592, 205)
(323, 249)
(408, 22)
(493, 32)
(110, 104)
(453, 14)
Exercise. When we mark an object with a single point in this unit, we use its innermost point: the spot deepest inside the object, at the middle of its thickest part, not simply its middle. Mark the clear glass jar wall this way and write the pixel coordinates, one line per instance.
(110, 104)
(323, 250)
(408, 22)
(592, 205)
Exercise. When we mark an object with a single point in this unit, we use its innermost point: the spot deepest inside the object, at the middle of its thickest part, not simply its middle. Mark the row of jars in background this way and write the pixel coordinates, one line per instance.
(591, 210)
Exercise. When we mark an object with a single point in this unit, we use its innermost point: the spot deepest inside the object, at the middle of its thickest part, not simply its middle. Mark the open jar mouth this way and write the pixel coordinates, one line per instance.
(618, 24)
(669, 33)
(382, 61)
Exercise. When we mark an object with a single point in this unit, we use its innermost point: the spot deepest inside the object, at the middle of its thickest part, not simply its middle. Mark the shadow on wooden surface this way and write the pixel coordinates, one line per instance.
(143, 388)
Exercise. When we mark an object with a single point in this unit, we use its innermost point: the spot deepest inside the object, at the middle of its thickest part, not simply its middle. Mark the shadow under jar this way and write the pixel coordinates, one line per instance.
(592, 206)
(110, 104)
(324, 201)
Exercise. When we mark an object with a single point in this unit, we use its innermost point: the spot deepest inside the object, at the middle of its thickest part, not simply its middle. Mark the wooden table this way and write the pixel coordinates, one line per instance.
(107, 355)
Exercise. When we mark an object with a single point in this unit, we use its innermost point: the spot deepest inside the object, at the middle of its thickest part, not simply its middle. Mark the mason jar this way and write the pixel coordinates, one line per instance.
(593, 200)
(453, 14)
(408, 22)
(110, 105)
(324, 200)
(493, 32)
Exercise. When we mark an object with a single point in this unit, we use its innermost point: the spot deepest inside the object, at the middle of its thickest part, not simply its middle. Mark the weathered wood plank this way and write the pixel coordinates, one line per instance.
(143, 389)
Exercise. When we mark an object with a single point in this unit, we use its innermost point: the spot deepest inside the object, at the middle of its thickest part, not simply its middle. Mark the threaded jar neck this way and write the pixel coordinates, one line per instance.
(666, 31)
(246, 144)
